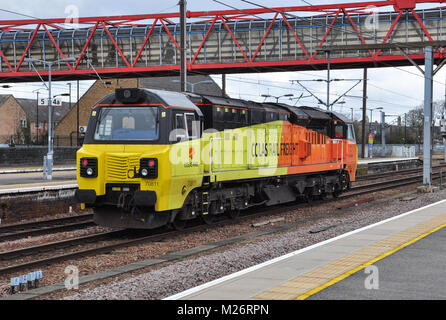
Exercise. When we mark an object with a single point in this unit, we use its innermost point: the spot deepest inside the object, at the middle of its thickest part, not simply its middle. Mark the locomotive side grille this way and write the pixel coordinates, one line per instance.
(118, 167)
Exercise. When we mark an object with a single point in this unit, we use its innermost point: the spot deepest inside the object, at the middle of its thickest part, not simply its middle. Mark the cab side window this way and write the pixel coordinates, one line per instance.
(179, 132)
(351, 133)
(185, 127)
(179, 121)
(192, 125)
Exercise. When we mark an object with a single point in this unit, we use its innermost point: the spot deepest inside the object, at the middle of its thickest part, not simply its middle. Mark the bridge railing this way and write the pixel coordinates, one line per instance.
(283, 41)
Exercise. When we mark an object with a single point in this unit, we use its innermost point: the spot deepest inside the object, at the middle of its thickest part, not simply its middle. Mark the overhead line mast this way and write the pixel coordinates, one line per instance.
(183, 62)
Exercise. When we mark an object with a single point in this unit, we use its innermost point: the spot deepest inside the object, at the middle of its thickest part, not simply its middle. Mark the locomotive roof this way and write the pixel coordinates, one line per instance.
(301, 112)
(339, 116)
(172, 99)
(315, 113)
(294, 110)
(224, 101)
(176, 99)
(167, 98)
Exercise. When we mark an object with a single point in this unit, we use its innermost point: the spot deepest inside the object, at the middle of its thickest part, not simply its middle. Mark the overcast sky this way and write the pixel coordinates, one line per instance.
(397, 90)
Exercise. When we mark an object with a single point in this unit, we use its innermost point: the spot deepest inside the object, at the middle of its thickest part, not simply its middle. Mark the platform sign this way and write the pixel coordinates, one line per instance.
(24, 279)
(56, 102)
(371, 137)
(32, 276)
(15, 282)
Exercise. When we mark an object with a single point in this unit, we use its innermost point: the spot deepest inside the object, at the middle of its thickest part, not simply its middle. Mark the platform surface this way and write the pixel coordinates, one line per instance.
(415, 272)
(335, 268)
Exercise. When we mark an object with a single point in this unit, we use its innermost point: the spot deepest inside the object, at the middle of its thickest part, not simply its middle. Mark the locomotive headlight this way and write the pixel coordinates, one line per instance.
(89, 167)
(148, 168)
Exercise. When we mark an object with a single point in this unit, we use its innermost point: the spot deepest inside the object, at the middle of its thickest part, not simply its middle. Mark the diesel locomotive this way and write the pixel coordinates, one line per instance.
(152, 158)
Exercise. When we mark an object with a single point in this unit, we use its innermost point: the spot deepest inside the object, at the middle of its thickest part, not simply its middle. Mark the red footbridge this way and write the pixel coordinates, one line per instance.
(230, 41)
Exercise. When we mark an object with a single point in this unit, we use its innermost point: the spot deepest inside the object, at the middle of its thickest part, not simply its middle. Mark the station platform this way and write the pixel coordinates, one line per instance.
(384, 160)
(404, 256)
(33, 180)
(377, 165)
(31, 169)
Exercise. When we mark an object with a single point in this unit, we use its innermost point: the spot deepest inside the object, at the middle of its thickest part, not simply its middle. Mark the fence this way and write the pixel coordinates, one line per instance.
(33, 155)
(394, 150)
(59, 141)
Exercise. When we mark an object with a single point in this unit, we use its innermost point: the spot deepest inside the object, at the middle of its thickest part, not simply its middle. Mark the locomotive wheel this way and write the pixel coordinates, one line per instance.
(178, 224)
(233, 214)
(308, 197)
(208, 218)
(336, 194)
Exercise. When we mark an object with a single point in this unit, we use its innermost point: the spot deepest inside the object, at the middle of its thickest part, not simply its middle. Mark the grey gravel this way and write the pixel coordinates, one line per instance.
(182, 275)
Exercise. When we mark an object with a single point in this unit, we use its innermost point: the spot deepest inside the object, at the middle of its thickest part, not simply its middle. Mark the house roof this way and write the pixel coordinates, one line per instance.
(30, 108)
(3, 98)
(168, 84)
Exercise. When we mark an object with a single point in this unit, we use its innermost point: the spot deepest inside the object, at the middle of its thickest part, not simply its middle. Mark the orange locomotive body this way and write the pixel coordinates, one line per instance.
(304, 151)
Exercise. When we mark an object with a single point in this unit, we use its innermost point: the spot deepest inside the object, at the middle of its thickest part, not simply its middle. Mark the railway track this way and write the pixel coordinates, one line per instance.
(400, 172)
(123, 238)
(43, 227)
(35, 228)
(388, 184)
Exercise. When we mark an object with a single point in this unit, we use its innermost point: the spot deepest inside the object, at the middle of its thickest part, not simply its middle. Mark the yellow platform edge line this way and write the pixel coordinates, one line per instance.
(362, 266)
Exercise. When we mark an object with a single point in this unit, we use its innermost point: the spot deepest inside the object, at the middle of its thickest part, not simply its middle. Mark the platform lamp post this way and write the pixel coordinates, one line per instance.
(48, 160)
(371, 117)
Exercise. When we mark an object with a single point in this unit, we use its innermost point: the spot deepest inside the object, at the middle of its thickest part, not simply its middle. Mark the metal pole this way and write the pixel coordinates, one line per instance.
(364, 111)
(37, 119)
(49, 175)
(352, 113)
(383, 134)
(183, 62)
(444, 111)
(328, 80)
(427, 145)
(77, 115)
(405, 128)
(69, 88)
(223, 85)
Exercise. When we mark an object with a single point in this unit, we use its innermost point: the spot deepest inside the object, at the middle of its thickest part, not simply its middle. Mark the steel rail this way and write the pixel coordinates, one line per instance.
(34, 227)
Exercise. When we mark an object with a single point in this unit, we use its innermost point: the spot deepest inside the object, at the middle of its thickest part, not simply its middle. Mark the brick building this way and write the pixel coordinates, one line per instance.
(19, 120)
(65, 131)
(13, 118)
